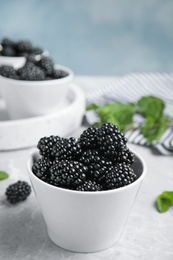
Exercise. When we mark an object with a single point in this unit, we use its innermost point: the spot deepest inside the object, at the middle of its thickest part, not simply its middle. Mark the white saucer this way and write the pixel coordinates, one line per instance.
(26, 132)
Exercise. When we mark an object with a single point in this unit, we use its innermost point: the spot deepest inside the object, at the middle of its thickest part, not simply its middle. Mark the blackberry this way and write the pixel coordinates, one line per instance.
(36, 50)
(97, 172)
(18, 192)
(8, 51)
(58, 74)
(31, 72)
(24, 46)
(110, 140)
(88, 139)
(68, 174)
(66, 148)
(41, 169)
(46, 64)
(125, 155)
(89, 186)
(119, 176)
(8, 72)
(46, 144)
(90, 156)
(7, 42)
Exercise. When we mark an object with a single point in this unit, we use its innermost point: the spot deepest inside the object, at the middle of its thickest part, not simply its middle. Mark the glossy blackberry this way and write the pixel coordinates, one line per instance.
(36, 50)
(68, 174)
(41, 168)
(58, 74)
(31, 72)
(89, 185)
(66, 148)
(119, 176)
(97, 172)
(24, 46)
(125, 155)
(110, 140)
(8, 72)
(46, 144)
(46, 64)
(88, 139)
(18, 192)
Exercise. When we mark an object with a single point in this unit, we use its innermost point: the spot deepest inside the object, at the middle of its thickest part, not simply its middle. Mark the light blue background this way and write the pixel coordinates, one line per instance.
(96, 37)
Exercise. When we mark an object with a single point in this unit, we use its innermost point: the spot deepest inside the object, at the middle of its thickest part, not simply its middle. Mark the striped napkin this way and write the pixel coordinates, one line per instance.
(130, 88)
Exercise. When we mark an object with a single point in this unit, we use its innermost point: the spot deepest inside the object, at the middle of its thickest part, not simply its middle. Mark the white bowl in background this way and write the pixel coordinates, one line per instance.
(82, 221)
(35, 98)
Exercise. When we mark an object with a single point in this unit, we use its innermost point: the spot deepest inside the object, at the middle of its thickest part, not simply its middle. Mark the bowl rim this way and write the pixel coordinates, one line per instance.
(67, 78)
(88, 193)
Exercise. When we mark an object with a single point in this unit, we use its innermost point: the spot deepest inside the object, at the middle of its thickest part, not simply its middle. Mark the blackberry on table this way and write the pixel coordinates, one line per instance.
(46, 144)
(8, 72)
(41, 168)
(119, 176)
(89, 185)
(18, 192)
(68, 174)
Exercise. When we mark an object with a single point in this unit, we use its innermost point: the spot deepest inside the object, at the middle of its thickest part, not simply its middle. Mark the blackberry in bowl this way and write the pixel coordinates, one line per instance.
(14, 53)
(85, 194)
(39, 87)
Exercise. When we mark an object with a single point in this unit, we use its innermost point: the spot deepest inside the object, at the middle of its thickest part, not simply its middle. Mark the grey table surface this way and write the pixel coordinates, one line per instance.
(148, 234)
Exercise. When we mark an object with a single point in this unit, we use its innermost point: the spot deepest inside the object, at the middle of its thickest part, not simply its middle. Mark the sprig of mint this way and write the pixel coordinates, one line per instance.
(164, 201)
(3, 175)
(151, 108)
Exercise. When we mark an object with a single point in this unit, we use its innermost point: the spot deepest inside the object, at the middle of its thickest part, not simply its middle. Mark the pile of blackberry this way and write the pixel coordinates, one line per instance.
(20, 48)
(34, 69)
(98, 160)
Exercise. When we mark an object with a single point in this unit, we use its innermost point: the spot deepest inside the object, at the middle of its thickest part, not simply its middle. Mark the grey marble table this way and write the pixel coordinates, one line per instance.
(148, 234)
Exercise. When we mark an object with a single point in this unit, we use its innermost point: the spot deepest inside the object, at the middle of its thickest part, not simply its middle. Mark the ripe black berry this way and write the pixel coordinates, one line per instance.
(68, 174)
(46, 144)
(18, 192)
(110, 140)
(119, 176)
(8, 72)
(66, 148)
(41, 169)
(89, 138)
(89, 185)
(46, 64)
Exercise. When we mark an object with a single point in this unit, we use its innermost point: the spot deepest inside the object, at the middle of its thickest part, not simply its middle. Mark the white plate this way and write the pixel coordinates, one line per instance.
(25, 133)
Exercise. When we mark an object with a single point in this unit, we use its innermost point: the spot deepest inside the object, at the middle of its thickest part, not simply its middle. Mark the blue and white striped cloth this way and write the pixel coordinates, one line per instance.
(130, 88)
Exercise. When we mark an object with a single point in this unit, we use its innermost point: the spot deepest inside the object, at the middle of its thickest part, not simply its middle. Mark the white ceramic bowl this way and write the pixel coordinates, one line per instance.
(16, 62)
(82, 221)
(35, 98)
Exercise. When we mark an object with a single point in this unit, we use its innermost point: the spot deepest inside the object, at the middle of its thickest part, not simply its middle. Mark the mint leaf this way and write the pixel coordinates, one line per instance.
(164, 201)
(153, 130)
(156, 122)
(3, 175)
(151, 106)
(119, 114)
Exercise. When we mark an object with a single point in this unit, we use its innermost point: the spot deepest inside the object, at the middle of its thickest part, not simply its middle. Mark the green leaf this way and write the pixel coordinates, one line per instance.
(3, 175)
(92, 106)
(116, 113)
(164, 201)
(151, 106)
